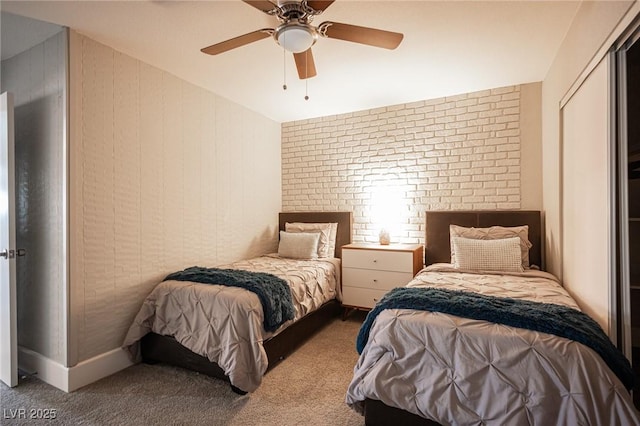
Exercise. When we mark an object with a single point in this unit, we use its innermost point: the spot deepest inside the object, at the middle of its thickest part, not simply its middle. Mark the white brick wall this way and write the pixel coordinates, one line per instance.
(453, 153)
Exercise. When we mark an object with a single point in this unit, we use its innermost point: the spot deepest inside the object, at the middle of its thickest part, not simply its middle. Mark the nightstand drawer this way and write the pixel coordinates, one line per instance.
(399, 261)
(374, 280)
(361, 297)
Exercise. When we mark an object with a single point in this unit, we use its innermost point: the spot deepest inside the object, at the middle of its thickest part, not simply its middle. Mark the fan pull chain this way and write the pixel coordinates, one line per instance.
(306, 72)
(284, 66)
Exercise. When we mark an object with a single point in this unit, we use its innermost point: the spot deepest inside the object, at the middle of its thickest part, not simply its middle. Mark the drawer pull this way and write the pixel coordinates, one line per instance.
(375, 281)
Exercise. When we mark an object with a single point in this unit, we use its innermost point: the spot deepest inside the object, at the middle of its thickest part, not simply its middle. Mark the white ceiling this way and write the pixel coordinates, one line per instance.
(449, 47)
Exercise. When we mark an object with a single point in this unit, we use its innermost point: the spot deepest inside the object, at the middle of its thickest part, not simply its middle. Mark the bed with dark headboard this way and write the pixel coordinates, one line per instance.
(157, 348)
(437, 241)
(442, 368)
(343, 219)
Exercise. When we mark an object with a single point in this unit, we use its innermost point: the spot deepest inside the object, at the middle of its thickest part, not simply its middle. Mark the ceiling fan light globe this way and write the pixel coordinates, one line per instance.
(296, 38)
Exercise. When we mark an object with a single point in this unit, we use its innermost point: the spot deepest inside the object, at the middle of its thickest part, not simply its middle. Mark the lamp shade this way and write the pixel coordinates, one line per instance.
(295, 37)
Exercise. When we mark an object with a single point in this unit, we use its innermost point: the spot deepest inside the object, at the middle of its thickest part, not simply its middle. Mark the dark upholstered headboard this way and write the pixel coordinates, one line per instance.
(437, 242)
(343, 219)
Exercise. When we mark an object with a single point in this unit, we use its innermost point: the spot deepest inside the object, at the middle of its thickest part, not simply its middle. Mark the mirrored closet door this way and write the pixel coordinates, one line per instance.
(628, 196)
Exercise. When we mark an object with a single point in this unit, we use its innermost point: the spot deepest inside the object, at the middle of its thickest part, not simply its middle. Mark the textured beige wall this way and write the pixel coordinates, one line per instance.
(459, 152)
(531, 146)
(164, 175)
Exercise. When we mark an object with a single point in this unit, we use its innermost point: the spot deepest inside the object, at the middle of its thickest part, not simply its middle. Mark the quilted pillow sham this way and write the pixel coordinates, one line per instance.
(494, 233)
(327, 231)
(501, 255)
(298, 245)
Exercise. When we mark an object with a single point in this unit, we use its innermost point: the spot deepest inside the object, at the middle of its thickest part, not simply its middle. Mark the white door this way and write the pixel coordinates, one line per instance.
(586, 240)
(8, 323)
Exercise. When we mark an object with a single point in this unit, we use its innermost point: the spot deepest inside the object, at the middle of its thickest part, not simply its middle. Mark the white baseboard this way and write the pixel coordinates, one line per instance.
(69, 379)
(47, 370)
(97, 368)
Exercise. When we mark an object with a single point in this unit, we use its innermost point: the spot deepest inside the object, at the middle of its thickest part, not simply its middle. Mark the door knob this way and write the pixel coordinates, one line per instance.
(8, 254)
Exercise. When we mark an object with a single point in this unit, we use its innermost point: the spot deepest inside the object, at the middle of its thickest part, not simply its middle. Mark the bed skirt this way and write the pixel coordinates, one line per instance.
(377, 413)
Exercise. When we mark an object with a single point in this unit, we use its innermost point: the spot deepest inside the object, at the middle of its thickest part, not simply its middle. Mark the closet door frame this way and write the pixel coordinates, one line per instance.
(620, 149)
(620, 205)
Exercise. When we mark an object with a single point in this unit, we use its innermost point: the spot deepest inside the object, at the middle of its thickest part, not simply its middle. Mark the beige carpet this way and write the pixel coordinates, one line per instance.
(307, 388)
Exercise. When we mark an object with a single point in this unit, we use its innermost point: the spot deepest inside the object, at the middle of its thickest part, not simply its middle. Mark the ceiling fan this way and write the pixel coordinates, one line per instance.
(296, 34)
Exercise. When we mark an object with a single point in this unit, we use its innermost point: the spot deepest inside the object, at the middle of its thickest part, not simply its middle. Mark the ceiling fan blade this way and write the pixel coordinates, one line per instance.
(305, 65)
(319, 5)
(363, 35)
(224, 46)
(263, 5)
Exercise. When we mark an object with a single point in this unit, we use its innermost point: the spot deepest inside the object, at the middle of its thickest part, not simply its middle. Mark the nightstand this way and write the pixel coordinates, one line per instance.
(371, 270)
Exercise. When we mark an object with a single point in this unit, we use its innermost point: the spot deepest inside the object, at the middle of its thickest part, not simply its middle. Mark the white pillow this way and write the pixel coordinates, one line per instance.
(494, 233)
(327, 231)
(332, 239)
(298, 245)
(488, 255)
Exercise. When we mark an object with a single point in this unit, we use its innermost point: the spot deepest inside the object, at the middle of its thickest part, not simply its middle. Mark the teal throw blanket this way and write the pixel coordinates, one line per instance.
(274, 293)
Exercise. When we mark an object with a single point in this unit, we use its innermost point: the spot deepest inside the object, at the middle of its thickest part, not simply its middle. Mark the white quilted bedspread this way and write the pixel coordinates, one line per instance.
(225, 324)
(468, 372)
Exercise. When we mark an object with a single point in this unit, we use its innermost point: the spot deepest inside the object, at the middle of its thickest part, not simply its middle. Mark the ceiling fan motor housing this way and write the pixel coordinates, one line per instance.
(300, 11)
